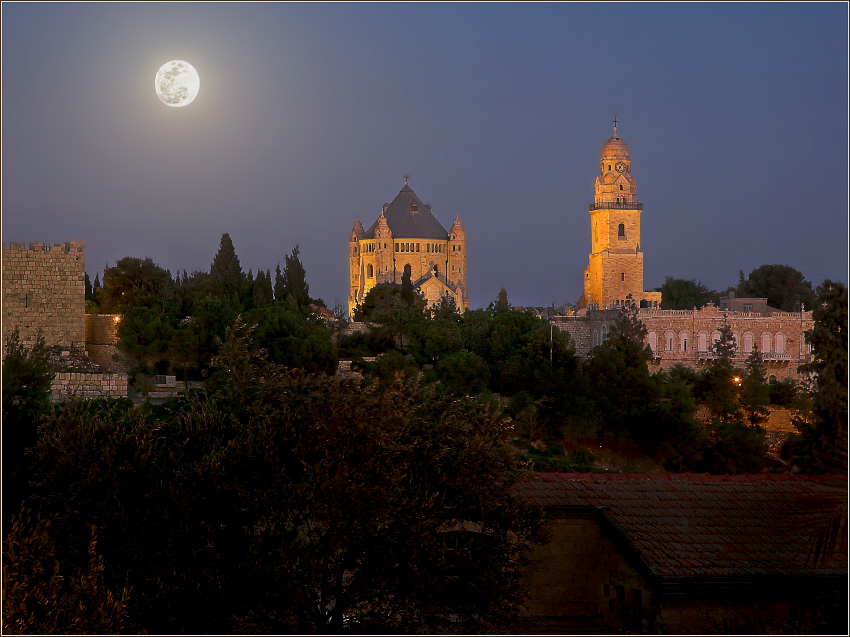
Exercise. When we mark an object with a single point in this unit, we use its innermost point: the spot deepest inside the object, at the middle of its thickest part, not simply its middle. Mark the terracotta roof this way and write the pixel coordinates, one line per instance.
(685, 525)
(405, 222)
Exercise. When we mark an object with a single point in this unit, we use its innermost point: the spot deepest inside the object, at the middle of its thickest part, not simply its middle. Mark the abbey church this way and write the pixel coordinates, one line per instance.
(406, 233)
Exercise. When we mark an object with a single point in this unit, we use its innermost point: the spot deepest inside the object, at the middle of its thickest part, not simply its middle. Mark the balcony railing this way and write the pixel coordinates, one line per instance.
(615, 205)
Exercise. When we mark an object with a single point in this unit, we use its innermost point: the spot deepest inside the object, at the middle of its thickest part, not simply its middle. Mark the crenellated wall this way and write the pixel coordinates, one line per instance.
(44, 289)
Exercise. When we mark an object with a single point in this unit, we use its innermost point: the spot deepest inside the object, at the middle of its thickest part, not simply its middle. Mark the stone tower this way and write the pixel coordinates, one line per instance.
(406, 233)
(615, 266)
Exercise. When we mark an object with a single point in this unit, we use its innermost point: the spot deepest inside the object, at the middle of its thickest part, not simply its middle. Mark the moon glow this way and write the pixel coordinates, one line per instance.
(177, 83)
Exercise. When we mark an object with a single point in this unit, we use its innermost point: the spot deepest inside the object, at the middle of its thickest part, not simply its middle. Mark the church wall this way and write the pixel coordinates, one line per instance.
(44, 289)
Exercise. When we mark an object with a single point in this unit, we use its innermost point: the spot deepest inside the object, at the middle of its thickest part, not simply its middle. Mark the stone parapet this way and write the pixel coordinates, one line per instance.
(67, 385)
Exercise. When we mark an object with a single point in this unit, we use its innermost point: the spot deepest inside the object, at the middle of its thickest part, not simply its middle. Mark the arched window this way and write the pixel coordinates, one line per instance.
(595, 338)
(780, 343)
(621, 186)
(748, 342)
(683, 341)
(669, 341)
(702, 342)
(715, 336)
(765, 342)
(370, 272)
(772, 379)
(652, 340)
(604, 333)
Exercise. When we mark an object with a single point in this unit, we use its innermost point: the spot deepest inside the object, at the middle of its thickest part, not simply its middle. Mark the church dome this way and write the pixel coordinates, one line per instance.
(615, 148)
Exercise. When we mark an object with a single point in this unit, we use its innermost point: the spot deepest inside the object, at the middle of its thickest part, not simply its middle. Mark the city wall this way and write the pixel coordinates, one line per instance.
(44, 289)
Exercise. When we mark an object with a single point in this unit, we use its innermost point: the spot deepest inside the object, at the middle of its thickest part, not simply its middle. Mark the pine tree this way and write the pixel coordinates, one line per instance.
(822, 445)
(279, 287)
(502, 304)
(262, 290)
(225, 272)
(407, 285)
(721, 379)
(755, 394)
(295, 278)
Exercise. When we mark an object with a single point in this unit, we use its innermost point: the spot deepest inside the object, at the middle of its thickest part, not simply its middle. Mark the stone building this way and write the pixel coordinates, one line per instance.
(688, 554)
(44, 290)
(615, 265)
(406, 233)
(615, 272)
(44, 293)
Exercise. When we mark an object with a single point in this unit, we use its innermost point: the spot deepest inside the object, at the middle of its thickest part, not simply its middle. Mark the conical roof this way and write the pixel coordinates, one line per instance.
(407, 216)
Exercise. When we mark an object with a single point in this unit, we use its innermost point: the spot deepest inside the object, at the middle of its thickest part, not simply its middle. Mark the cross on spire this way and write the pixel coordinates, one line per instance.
(406, 177)
(615, 120)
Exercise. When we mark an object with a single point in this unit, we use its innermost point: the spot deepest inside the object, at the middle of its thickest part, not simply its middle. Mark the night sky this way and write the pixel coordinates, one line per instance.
(308, 116)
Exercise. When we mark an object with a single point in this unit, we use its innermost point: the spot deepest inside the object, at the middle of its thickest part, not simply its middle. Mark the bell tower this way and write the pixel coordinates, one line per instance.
(615, 264)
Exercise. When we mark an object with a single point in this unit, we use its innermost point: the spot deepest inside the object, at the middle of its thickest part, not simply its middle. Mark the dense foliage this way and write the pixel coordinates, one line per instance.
(821, 445)
(278, 501)
(784, 287)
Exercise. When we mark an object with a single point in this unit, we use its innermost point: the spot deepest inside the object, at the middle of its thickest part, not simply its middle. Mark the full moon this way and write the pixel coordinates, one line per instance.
(177, 83)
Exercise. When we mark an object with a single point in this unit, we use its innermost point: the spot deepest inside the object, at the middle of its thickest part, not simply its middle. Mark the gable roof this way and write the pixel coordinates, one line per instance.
(688, 526)
(404, 222)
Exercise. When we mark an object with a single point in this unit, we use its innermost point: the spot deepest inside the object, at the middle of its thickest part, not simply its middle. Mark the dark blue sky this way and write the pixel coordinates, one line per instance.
(309, 115)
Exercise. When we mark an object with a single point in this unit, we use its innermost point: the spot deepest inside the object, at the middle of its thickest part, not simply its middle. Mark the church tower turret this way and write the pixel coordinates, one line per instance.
(615, 264)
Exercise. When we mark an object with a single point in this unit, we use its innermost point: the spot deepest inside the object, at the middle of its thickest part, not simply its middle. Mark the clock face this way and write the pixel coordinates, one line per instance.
(621, 167)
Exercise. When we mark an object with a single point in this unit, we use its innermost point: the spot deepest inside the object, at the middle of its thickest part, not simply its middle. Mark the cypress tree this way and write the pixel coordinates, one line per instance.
(755, 394)
(295, 278)
(225, 272)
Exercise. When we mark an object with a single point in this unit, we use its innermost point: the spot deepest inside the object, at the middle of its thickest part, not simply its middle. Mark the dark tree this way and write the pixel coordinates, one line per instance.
(278, 502)
(783, 286)
(720, 385)
(501, 303)
(262, 290)
(407, 294)
(134, 282)
(755, 394)
(681, 294)
(97, 290)
(822, 443)
(88, 288)
(226, 278)
(279, 286)
(27, 373)
(295, 279)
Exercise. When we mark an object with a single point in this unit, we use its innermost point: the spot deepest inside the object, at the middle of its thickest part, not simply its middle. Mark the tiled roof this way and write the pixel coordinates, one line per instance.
(404, 222)
(685, 525)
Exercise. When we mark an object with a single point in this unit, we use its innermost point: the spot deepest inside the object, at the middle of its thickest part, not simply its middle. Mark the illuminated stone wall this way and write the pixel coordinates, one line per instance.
(44, 289)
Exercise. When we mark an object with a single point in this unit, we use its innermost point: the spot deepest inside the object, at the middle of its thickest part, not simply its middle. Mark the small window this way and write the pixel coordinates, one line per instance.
(370, 271)
(609, 168)
(622, 276)
(417, 247)
(621, 186)
(748, 307)
(621, 230)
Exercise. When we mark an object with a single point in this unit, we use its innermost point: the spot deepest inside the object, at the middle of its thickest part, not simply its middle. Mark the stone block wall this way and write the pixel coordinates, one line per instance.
(88, 385)
(692, 332)
(102, 342)
(44, 289)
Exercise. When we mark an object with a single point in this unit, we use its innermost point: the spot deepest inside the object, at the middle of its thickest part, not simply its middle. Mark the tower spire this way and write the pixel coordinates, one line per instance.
(615, 120)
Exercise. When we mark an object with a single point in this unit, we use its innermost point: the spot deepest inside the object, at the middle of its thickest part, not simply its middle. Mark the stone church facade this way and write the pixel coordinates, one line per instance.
(407, 233)
(615, 272)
